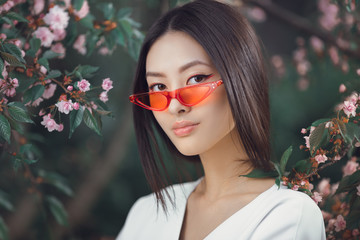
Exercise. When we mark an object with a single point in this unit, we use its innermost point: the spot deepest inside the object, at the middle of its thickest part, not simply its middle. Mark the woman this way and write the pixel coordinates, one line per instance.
(201, 88)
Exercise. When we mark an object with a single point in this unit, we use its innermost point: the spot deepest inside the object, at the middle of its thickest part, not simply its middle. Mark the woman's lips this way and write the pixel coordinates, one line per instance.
(184, 128)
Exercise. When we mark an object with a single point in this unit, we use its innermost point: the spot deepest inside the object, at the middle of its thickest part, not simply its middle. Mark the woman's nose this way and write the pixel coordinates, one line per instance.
(175, 107)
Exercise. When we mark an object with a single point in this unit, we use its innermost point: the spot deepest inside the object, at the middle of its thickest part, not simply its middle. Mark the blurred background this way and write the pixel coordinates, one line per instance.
(105, 172)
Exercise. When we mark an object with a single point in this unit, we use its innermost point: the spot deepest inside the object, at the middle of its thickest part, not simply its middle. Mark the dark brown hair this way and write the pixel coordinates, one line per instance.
(234, 49)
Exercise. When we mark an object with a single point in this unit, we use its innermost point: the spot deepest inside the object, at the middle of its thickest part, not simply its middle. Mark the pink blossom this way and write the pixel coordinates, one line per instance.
(324, 187)
(41, 112)
(317, 44)
(36, 102)
(299, 54)
(79, 44)
(76, 106)
(49, 91)
(45, 35)
(353, 98)
(49, 123)
(303, 83)
(307, 141)
(337, 157)
(257, 14)
(355, 232)
(303, 130)
(349, 108)
(358, 190)
(334, 55)
(60, 127)
(342, 88)
(321, 158)
(84, 10)
(317, 197)
(59, 34)
(64, 106)
(340, 223)
(57, 18)
(59, 48)
(350, 168)
(107, 84)
(358, 71)
(326, 215)
(83, 85)
(334, 188)
(10, 91)
(38, 6)
(103, 97)
(104, 51)
(70, 88)
(328, 124)
(295, 187)
(43, 69)
(93, 105)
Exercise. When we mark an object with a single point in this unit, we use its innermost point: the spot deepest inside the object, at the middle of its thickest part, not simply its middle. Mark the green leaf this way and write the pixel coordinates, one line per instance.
(53, 74)
(17, 163)
(58, 211)
(349, 182)
(2, 2)
(316, 137)
(16, 16)
(43, 61)
(342, 128)
(318, 122)
(50, 54)
(7, 20)
(14, 50)
(107, 9)
(76, 116)
(11, 59)
(123, 13)
(91, 122)
(259, 173)
(35, 44)
(284, 159)
(303, 166)
(87, 71)
(1, 67)
(57, 181)
(4, 232)
(28, 154)
(5, 130)
(120, 38)
(126, 27)
(5, 202)
(19, 114)
(33, 93)
(17, 126)
(88, 21)
(77, 4)
(353, 131)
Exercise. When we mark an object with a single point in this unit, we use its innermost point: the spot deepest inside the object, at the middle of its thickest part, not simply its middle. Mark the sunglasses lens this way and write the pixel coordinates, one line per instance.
(193, 95)
(154, 101)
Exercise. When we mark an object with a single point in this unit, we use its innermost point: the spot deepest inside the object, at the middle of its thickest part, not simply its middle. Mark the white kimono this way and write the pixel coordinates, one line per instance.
(274, 214)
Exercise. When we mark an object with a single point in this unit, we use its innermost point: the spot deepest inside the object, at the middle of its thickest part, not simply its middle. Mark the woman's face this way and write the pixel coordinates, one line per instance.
(174, 61)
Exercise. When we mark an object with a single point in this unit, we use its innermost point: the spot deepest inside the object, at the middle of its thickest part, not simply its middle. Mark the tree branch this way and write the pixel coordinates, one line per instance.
(302, 24)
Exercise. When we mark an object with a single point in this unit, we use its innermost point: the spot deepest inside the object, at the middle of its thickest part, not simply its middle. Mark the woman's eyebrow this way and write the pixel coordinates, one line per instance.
(191, 64)
(154, 74)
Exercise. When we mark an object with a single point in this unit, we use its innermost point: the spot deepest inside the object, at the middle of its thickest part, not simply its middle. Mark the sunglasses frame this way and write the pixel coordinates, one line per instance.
(175, 94)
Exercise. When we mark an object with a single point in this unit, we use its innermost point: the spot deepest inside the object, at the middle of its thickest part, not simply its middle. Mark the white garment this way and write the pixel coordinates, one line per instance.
(274, 214)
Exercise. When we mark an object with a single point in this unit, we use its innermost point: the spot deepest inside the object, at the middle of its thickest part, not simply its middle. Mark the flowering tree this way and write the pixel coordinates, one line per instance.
(328, 141)
(33, 34)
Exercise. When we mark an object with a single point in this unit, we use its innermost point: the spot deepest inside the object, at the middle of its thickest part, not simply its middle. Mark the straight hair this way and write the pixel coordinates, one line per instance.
(236, 53)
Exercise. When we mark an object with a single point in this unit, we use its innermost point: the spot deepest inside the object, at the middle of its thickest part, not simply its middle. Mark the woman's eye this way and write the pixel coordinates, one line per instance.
(157, 87)
(198, 79)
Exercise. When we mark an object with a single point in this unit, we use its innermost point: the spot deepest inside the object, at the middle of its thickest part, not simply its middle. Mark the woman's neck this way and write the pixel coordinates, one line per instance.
(223, 164)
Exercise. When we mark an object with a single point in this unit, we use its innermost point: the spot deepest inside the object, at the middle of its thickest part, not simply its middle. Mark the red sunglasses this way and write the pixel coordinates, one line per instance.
(187, 96)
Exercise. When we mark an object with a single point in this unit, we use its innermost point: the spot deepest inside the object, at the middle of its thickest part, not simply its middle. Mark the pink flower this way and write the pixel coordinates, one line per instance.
(340, 223)
(70, 88)
(57, 18)
(79, 44)
(103, 97)
(358, 190)
(324, 187)
(321, 158)
(355, 232)
(349, 108)
(326, 215)
(45, 35)
(337, 157)
(317, 197)
(334, 55)
(59, 48)
(41, 112)
(353, 98)
(358, 71)
(64, 106)
(49, 91)
(107, 84)
(307, 141)
(38, 6)
(59, 34)
(83, 85)
(303, 130)
(60, 127)
(10, 90)
(342, 88)
(350, 168)
(104, 51)
(317, 44)
(76, 106)
(49, 123)
(257, 14)
(84, 10)
(295, 187)
(43, 69)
